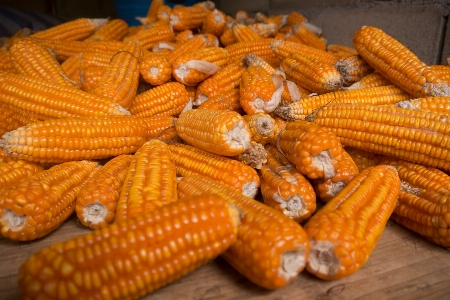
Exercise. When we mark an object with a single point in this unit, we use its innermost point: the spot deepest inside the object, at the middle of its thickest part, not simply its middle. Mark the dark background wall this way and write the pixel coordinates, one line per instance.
(421, 25)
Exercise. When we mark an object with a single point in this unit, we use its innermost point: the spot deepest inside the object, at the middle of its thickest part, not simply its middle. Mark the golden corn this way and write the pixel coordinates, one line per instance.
(191, 161)
(90, 77)
(148, 37)
(120, 81)
(397, 63)
(13, 117)
(422, 201)
(132, 258)
(218, 131)
(311, 73)
(214, 23)
(370, 80)
(150, 181)
(416, 136)
(264, 235)
(96, 203)
(244, 33)
(283, 49)
(51, 100)
(352, 68)
(169, 99)
(75, 30)
(113, 30)
(286, 189)
(194, 67)
(363, 159)
(229, 100)
(38, 204)
(12, 171)
(344, 232)
(435, 104)
(307, 37)
(260, 92)
(30, 58)
(260, 47)
(262, 126)
(187, 17)
(61, 140)
(224, 80)
(376, 95)
(315, 151)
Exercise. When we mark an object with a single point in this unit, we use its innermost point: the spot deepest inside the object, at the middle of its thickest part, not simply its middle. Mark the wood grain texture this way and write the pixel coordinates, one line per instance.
(402, 266)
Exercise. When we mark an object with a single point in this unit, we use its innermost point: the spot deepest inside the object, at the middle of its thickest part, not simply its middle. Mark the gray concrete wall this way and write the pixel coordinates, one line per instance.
(420, 25)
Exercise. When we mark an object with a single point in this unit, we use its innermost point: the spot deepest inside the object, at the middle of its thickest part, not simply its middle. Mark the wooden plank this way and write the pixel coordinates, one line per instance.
(402, 266)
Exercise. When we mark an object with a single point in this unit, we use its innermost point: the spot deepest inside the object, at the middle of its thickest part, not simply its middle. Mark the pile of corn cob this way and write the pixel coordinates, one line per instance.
(158, 137)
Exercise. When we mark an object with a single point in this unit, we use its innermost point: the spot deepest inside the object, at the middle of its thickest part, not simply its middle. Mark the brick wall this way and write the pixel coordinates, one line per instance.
(422, 26)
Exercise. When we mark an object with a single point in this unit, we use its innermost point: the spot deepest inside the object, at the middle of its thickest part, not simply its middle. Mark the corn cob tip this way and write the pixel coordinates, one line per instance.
(409, 104)
(98, 22)
(292, 262)
(255, 156)
(250, 189)
(94, 213)
(11, 221)
(437, 89)
(284, 111)
(292, 206)
(322, 258)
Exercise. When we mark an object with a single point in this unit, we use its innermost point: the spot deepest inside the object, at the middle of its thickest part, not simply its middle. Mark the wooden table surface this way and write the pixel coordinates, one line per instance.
(402, 266)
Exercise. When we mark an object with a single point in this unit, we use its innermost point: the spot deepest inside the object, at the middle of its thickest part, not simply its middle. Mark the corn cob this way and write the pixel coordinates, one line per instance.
(422, 201)
(293, 92)
(411, 135)
(75, 30)
(255, 60)
(370, 80)
(163, 48)
(241, 15)
(285, 189)
(397, 63)
(66, 49)
(165, 100)
(224, 80)
(228, 100)
(30, 58)
(442, 71)
(61, 140)
(283, 49)
(352, 68)
(363, 159)
(97, 200)
(137, 256)
(5, 62)
(152, 11)
(193, 44)
(294, 17)
(279, 128)
(74, 64)
(434, 104)
(311, 73)
(12, 118)
(227, 37)
(214, 23)
(217, 131)
(187, 17)
(289, 37)
(260, 47)
(163, 13)
(341, 51)
(209, 5)
(50, 100)
(193, 67)
(91, 77)
(12, 171)
(7, 42)
(156, 69)
(213, 41)
(328, 189)
(344, 232)
(191, 161)
(307, 37)
(119, 83)
(148, 37)
(37, 205)
(255, 155)
(244, 33)
(183, 36)
(280, 20)
(150, 181)
(376, 95)
(264, 30)
(113, 30)
(264, 235)
(262, 126)
(260, 92)
(315, 151)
